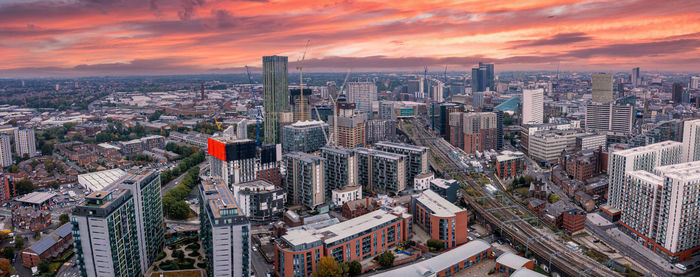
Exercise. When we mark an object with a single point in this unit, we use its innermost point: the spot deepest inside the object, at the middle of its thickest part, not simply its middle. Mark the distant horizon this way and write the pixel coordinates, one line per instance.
(44, 38)
(258, 71)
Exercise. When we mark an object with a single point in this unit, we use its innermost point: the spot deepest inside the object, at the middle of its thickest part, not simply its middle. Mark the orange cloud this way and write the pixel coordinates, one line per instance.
(95, 36)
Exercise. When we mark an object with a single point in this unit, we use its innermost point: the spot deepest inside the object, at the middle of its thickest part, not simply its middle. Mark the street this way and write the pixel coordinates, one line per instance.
(260, 266)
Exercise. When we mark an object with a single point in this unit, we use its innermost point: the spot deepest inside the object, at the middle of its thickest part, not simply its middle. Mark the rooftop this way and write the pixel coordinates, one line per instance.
(379, 153)
(401, 145)
(683, 171)
(508, 155)
(300, 236)
(99, 180)
(306, 157)
(49, 241)
(356, 225)
(348, 189)
(36, 198)
(309, 123)
(649, 178)
(441, 262)
(220, 199)
(524, 272)
(438, 205)
(442, 183)
(511, 260)
(648, 148)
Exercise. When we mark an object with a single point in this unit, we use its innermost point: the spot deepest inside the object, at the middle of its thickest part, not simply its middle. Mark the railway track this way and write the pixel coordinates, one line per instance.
(568, 262)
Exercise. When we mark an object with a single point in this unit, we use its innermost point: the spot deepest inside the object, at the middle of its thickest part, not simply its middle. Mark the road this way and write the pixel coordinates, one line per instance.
(260, 266)
(69, 271)
(203, 167)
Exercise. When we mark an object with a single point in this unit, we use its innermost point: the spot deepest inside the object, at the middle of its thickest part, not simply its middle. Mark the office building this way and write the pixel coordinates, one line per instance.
(304, 136)
(533, 106)
(225, 232)
(305, 179)
(299, 251)
(610, 118)
(591, 141)
(483, 78)
(259, 200)
(510, 164)
(417, 162)
(5, 151)
(695, 82)
(602, 88)
(386, 110)
(301, 111)
(677, 93)
(276, 96)
(377, 130)
(662, 131)
(439, 218)
(635, 78)
(547, 146)
(499, 129)
(362, 94)
(479, 131)
(661, 209)
(477, 99)
(340, 165)
(118, 231)
(24, 142)
(640, 158)
(444, 118)
(380, 171)
(350, 125)
(449, 263)
(691, 140)
(232, 159)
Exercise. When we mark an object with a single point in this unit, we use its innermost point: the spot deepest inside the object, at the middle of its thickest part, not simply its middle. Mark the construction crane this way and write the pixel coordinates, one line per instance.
(300, 67)
(334, 138)
(258, 113)
(218, 124)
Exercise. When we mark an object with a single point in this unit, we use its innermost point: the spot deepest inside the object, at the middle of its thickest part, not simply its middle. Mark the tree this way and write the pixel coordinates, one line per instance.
(553, 198)
(354, 268)
(435, 244)
(19, 242)
(386, 259)
(5, 265)
(47, 149)
(13, 168)
(8, 252)
(24, 186)
(63, 219)
(43, 266)
(328, 267)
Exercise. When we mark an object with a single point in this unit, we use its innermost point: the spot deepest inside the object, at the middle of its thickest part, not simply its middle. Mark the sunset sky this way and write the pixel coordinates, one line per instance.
(131, 37)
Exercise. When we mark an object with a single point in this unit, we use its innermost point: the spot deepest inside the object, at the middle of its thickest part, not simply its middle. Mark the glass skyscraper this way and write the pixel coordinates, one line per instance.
(276, 95)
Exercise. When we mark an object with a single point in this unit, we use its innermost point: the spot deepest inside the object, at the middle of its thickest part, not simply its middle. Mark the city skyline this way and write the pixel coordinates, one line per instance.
(158, 37)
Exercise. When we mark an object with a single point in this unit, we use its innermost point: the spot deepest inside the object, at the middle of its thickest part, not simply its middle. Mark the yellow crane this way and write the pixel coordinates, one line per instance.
(300, 67)
(218, 124)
